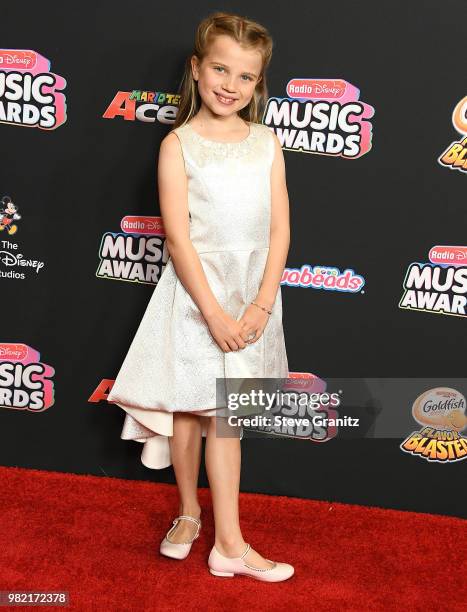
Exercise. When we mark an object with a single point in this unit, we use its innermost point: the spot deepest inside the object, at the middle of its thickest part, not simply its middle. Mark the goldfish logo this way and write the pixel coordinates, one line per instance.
(441, 411)
(455, 156)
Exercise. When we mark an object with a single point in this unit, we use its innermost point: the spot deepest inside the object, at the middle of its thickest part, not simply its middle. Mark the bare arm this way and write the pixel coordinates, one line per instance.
(173, 199)
(280, 231)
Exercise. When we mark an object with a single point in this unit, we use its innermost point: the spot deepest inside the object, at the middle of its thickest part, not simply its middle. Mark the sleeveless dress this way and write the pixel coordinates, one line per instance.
(173, 361)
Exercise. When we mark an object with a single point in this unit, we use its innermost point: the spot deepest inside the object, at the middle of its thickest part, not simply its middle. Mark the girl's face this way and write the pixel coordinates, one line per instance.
(227, 76)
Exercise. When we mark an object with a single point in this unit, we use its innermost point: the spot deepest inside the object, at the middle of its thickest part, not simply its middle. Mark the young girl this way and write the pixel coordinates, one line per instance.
(216, 311)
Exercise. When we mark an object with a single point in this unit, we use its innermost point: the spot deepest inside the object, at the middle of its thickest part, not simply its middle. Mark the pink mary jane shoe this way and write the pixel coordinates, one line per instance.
(179, 550)
(229, 566)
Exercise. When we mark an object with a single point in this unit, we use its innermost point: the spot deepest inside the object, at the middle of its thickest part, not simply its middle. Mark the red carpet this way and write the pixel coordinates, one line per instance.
(98, 538)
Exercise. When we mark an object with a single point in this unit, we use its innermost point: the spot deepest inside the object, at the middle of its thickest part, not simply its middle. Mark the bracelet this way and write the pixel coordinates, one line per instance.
(262, 308)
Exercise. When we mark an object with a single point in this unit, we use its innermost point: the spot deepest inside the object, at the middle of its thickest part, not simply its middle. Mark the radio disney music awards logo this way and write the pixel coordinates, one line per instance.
(439, 286)
(441, 412)
(321, 116)
(12, 261)
(455, 156)
(327, 278)
(30, 95)
(301, 409)
(146, 106)
(137, 253)
(25, 381)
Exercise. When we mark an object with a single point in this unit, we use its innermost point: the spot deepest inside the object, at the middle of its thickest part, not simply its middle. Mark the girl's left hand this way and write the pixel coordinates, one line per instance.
(254, 320)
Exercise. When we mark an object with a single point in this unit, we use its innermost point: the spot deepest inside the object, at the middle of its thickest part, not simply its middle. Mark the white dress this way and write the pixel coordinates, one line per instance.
(173, 361)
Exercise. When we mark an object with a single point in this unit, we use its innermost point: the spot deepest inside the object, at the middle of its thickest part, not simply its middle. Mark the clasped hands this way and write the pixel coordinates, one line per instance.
(232, 335)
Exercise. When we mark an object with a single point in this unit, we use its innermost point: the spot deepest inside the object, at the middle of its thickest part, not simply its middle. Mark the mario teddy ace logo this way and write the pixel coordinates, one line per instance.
(441, 411)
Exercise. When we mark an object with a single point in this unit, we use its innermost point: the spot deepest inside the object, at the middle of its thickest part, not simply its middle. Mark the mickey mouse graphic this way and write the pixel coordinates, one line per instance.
(8, 214)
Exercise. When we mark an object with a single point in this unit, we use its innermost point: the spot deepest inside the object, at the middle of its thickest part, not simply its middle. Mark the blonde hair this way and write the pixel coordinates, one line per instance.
(247, 33)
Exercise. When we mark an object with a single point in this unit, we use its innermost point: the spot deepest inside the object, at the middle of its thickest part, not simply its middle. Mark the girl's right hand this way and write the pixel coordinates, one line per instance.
(227, 332)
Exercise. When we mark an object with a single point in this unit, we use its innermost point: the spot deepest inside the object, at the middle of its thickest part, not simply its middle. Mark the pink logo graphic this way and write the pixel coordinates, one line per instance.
(326, 89)
(138, 224)
(449, 255)
(321, 116)
(25, 382)
(304, 410)
(29, 93)
(323, 277)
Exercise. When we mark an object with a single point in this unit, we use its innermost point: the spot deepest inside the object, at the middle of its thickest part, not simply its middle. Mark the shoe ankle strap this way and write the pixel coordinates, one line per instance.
(189, 518)
(246, 551)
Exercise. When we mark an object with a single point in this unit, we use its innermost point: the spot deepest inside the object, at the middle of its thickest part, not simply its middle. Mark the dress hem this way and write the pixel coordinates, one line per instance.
(153, 429)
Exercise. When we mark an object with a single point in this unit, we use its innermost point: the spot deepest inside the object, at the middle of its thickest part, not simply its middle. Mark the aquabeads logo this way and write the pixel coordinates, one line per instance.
(25, 382)
(455, 156)
(147, 106)
(29, 93)
(327, 278)
(439, 286)
(441, 411)
(137, 253)
(321, 116)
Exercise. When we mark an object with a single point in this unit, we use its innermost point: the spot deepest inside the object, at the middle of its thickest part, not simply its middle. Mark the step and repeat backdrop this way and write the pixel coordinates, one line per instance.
(370, 105)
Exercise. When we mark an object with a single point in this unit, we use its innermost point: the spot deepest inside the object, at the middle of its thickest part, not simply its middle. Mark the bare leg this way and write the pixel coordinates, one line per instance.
(223, 463)
(185, 450)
